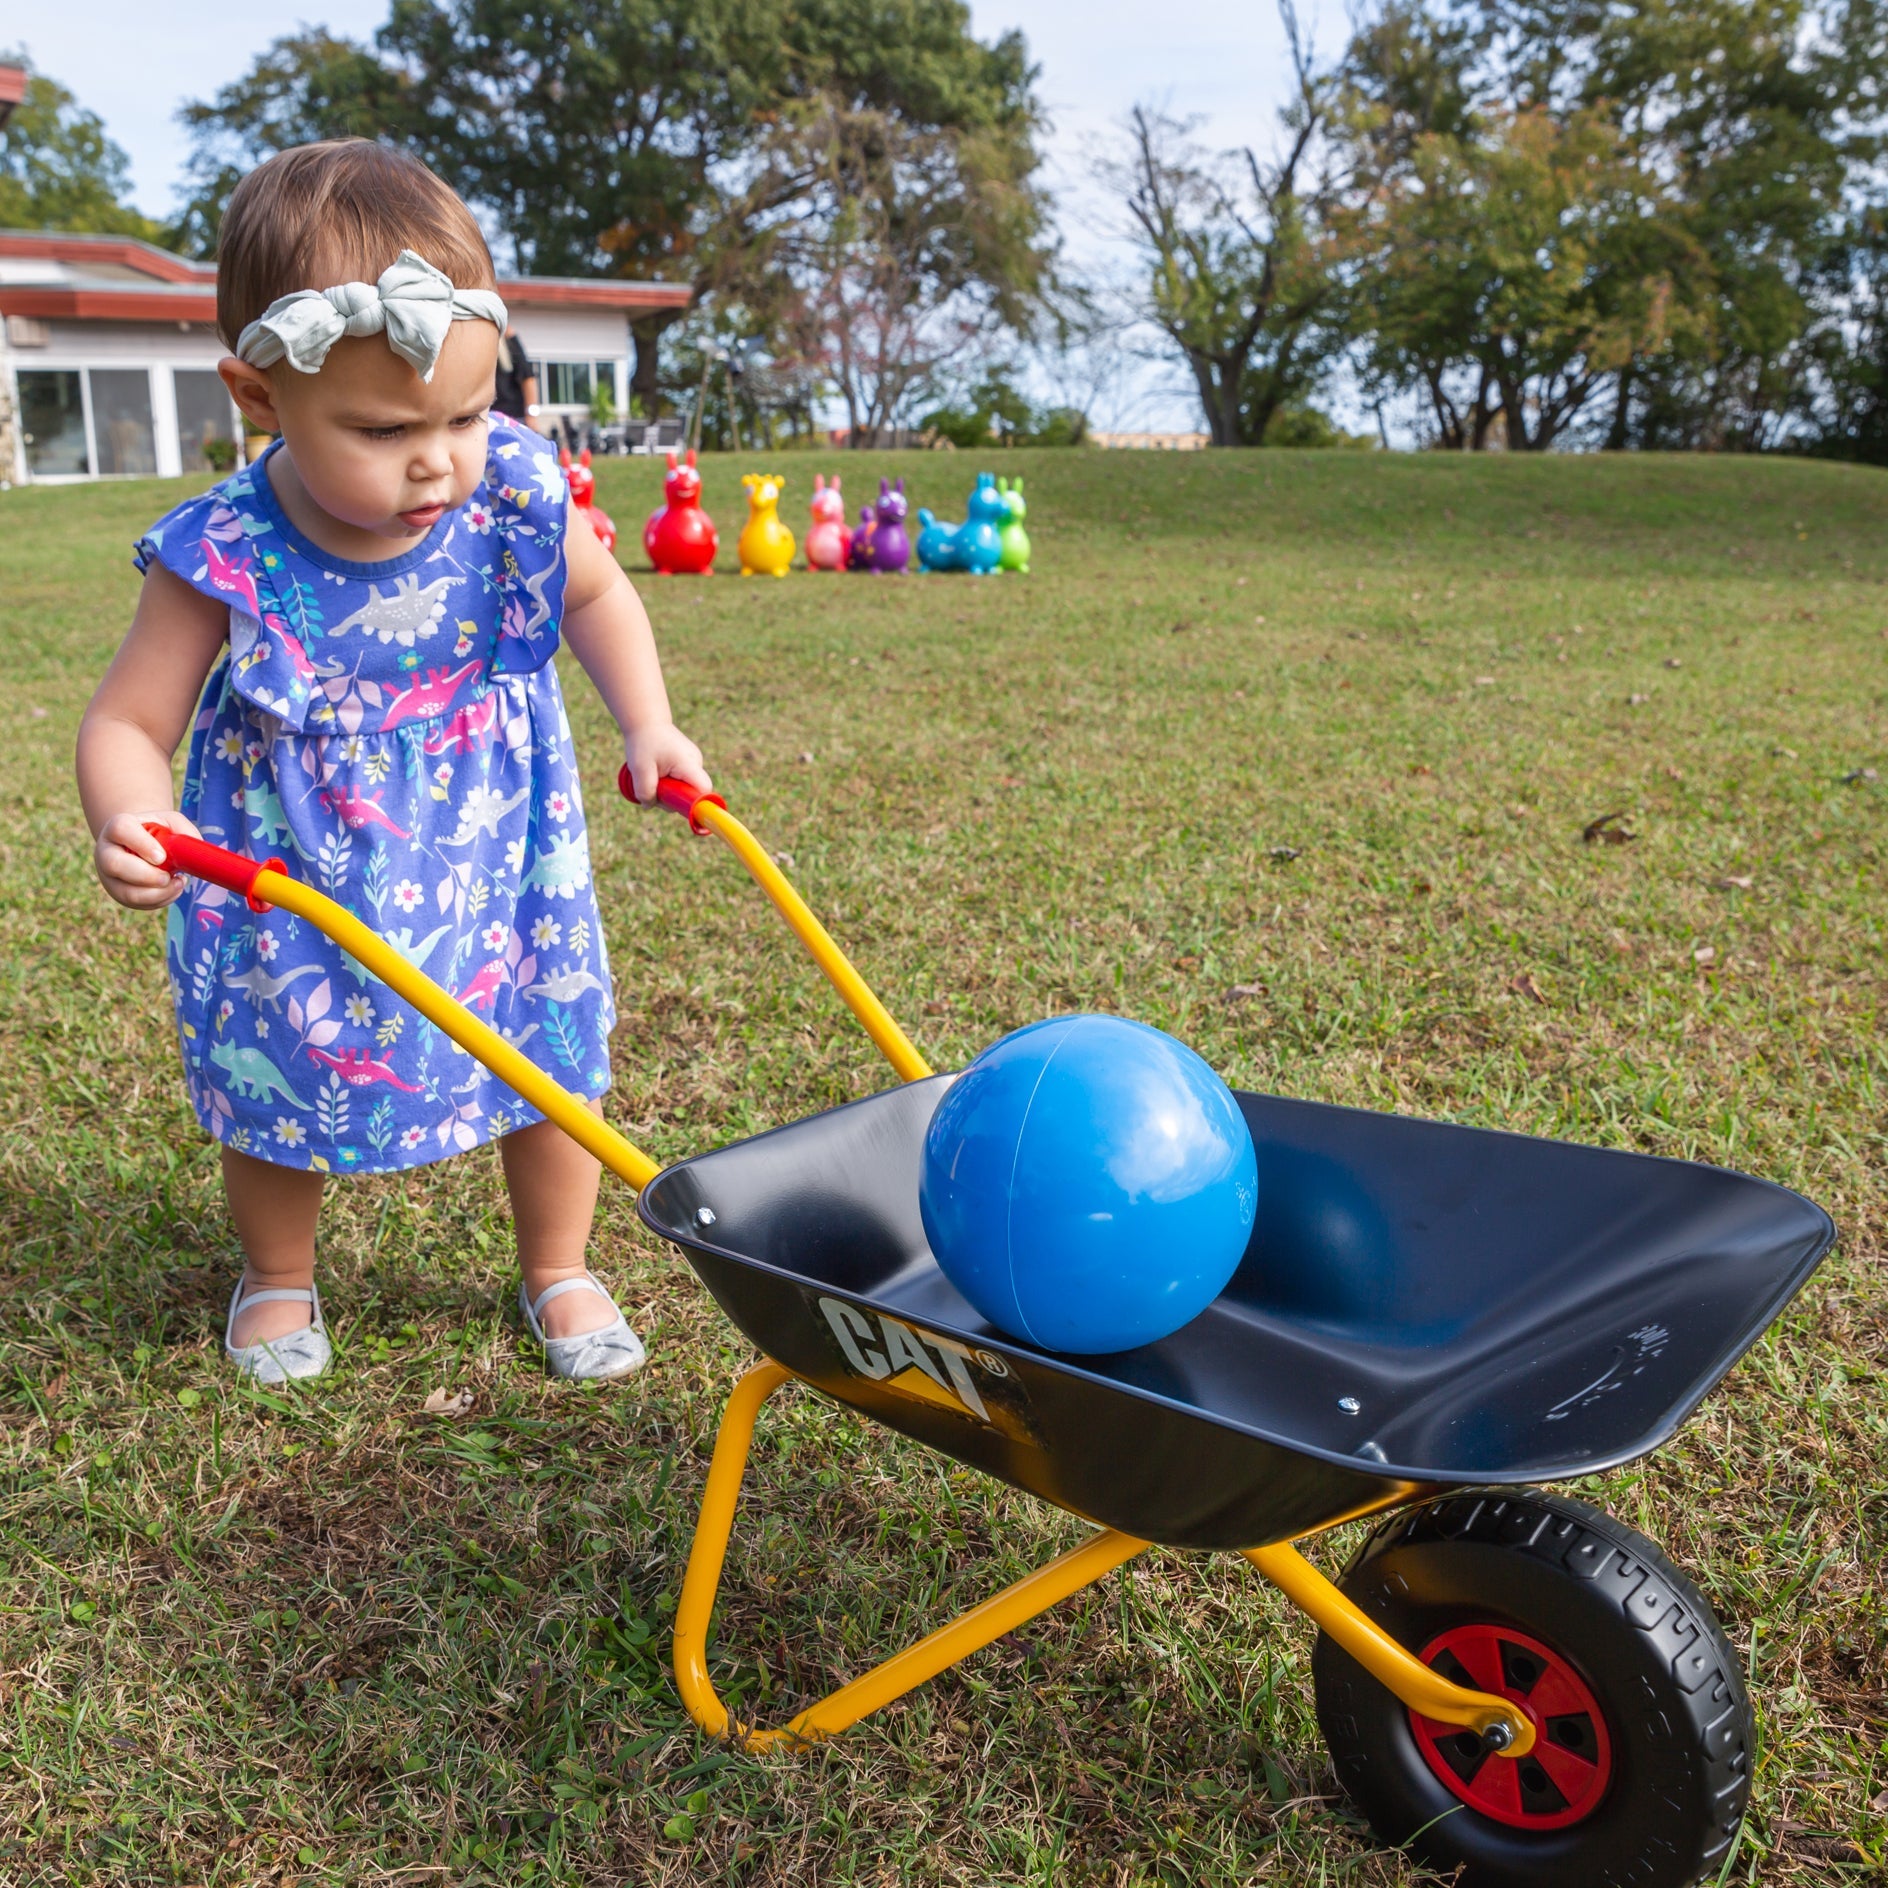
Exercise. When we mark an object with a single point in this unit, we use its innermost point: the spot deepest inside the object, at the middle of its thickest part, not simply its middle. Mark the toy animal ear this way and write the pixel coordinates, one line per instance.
(819, 482)
(884, 488)
(585, 460)
(691, 455)
(671, 462)
(901, 485)
(563, 458)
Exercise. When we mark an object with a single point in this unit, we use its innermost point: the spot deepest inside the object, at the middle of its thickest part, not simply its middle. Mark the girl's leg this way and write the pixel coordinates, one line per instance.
(275, 1209)
(553, 1186)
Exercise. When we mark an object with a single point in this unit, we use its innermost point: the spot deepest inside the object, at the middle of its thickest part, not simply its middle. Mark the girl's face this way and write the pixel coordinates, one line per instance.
(377, 448)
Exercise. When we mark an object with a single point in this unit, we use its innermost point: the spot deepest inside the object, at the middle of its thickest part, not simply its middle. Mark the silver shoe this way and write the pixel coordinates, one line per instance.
(299, 1354)
(613, 1351)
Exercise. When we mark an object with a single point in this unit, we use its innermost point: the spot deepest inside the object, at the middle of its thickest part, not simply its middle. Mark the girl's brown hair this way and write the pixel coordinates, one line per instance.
(337, 212)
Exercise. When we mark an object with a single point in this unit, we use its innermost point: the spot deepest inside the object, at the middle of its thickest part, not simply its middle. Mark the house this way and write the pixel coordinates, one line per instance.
(108, 352)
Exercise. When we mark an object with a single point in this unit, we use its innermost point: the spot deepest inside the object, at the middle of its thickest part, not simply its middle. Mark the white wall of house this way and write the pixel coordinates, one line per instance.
(575, 338)
(126, 425)
(104, 432)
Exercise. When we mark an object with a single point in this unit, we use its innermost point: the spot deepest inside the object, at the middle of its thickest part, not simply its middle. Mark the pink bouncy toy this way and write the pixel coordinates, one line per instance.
(583, 494)
(829, 541)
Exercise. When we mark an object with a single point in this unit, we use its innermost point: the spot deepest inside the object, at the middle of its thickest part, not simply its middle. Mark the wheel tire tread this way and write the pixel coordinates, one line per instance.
(1641, 1584)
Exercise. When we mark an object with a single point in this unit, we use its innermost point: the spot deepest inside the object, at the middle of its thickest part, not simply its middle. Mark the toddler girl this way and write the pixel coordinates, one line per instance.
(356, 631)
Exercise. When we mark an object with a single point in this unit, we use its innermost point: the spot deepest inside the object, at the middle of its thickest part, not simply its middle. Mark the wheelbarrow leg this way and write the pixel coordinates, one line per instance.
(1503, 1727)
(1081, 1566)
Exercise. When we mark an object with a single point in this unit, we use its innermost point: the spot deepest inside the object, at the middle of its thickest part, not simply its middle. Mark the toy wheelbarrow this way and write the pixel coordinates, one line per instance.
(1429, 1320)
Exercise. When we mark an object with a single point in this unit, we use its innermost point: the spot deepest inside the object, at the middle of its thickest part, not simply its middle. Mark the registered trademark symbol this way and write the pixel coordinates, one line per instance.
(991, 1362)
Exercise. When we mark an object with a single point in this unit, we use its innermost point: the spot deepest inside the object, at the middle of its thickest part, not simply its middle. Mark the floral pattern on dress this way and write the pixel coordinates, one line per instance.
(395, 732)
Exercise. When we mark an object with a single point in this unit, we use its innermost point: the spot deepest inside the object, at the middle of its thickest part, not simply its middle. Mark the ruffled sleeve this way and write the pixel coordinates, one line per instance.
(216, 544)
(530, 507)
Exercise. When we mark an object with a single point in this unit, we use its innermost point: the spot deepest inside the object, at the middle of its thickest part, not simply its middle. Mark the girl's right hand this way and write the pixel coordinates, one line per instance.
(130, 862)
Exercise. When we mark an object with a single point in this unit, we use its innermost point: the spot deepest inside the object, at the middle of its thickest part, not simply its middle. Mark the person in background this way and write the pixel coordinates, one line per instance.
(516, 381)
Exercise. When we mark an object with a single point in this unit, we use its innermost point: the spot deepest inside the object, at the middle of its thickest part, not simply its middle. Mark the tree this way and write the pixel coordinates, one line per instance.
(1239, 271)
(59, 169)
(1705, 156)
(905, 247)
(1509, 268)
(304, 87)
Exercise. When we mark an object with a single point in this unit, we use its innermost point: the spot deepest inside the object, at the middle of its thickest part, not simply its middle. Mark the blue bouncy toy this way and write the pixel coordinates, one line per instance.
(1089, 1184)
(976, 545)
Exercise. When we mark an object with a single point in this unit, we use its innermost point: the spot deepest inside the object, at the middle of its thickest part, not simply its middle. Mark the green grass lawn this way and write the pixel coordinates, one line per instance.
(1290, 754)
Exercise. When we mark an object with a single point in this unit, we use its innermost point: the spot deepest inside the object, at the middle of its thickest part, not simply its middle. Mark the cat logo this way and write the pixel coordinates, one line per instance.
(916, 1363)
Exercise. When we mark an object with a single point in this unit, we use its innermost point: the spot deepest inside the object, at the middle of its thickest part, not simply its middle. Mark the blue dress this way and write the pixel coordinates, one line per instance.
(395, 732)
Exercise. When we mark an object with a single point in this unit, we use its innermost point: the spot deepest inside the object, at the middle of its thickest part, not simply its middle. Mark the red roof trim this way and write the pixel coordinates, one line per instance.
(12, 85)
(127, 251)
(129, 303)
(542, 292)
(163, 266)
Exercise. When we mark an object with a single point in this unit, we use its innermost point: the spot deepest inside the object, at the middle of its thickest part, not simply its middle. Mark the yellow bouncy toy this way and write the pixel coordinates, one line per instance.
(766, 546)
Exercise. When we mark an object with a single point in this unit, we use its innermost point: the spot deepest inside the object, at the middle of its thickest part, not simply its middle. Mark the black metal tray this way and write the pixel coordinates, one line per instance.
(1421, 1305)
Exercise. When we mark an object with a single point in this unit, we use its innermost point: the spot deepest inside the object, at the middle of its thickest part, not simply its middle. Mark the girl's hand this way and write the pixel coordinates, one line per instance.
(130, 862)
(660, 748)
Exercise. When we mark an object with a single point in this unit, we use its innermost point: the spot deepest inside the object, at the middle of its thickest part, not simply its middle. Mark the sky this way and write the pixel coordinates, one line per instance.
(134, 61)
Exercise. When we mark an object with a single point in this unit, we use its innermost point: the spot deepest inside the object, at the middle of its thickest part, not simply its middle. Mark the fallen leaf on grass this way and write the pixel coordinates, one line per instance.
(938, 1006)
(1733, 883)
(1244, 992)
(1705, 954)
(447, 1403)
(1607, 831)
(807, 757)
(1484, 681)
(1859, 776)
(1784, 753)
(1637, 701)
(1285, 854)
(1524, 985)
(1879, 1802)
(784, 860)
(1672, 662)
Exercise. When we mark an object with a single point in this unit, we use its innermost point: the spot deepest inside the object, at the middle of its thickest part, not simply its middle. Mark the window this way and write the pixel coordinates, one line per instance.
(121, 422)
(566, 383)
(203, 414)
(52, 419)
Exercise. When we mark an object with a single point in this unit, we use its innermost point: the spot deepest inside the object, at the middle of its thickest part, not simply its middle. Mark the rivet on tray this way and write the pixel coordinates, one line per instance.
(1348, 1404)
(704, 1216)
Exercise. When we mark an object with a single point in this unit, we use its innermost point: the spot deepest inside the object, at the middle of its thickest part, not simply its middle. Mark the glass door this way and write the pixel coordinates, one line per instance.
(121, 422)
(203, 416)
(52, 422)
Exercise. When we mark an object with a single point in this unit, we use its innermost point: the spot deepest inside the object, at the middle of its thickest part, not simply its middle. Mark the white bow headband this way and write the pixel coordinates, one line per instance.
(413, 303)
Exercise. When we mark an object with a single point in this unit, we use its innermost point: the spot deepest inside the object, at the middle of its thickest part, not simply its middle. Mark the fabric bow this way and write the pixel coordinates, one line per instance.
(413, 303)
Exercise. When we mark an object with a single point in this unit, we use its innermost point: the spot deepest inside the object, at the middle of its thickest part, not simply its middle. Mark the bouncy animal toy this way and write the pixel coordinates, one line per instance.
(583, 494)
(976, 545)
(766, 545)
(829, 540)
(680, 537)
(880, 543)
(1425, 1323)
(1015, 538)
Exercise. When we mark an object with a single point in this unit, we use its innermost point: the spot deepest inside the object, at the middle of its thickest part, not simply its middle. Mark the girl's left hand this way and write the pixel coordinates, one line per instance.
(659, 749)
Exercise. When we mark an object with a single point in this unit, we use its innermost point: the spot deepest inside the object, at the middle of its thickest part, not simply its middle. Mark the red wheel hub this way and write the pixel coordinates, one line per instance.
(1560, 1781)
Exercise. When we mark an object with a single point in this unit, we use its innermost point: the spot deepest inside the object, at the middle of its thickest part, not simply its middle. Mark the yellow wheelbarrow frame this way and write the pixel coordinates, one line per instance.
(1503, 1726)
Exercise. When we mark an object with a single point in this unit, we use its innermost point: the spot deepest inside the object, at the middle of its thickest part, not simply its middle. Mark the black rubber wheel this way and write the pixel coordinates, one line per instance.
(1642, 1725)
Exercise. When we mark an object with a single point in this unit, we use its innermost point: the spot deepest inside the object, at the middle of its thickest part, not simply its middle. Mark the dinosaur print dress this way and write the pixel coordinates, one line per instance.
(395, 733)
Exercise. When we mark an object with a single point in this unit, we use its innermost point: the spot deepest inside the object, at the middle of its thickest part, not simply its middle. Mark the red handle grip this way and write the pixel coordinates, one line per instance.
(677, 795)
(202, 860)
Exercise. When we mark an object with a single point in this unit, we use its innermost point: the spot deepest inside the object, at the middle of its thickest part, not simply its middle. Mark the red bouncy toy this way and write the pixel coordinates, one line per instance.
(680, 537)
(583, 494)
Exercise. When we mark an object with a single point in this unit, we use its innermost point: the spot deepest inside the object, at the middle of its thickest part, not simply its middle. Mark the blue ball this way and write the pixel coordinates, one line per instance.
(1088, 1184)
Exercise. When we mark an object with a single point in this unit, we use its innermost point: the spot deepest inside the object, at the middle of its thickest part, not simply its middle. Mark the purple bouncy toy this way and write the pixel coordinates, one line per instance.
(880, 543)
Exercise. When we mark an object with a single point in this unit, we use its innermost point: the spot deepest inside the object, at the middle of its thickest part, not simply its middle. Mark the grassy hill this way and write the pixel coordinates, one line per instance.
(1291, 754)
